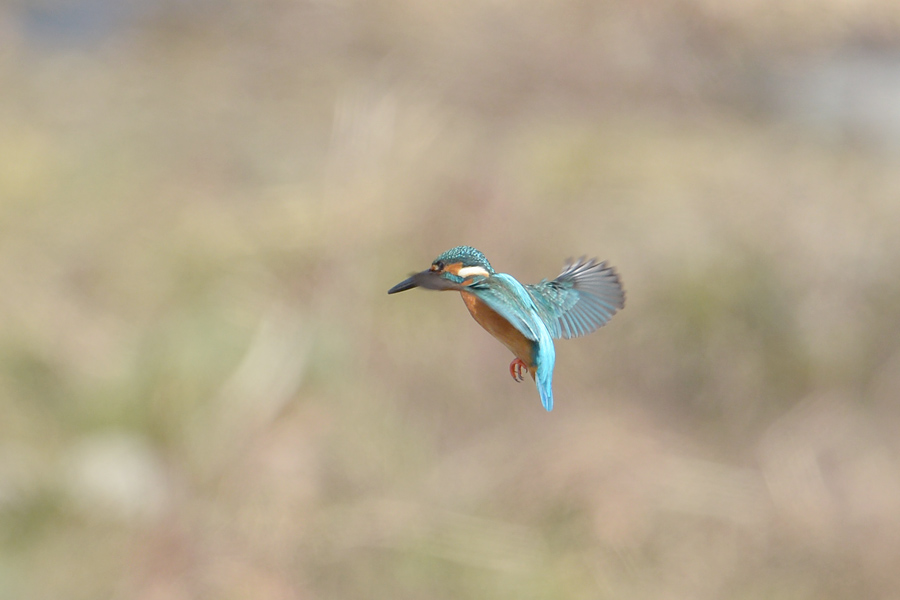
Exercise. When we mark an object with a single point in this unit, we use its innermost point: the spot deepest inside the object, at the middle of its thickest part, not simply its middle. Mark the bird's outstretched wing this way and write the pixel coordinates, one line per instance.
(583, 298)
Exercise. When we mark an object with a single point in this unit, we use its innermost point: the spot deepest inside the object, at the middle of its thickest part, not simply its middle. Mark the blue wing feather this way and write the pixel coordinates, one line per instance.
(583, 298)
(509, 298)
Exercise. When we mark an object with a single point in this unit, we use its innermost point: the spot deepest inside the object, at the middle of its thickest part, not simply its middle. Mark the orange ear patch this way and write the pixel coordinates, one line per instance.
(453, 268)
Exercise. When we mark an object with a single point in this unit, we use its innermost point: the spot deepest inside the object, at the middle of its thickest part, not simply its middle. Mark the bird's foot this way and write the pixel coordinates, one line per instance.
(516, 369)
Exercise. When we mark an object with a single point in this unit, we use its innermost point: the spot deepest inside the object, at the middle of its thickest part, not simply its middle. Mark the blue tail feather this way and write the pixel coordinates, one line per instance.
(544, 359)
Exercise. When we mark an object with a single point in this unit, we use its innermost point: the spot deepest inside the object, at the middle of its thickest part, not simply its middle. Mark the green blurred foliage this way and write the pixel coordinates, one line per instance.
(206, 393)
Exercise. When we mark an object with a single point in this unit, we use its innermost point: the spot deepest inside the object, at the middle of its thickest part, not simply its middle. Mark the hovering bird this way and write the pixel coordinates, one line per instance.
(527, 318)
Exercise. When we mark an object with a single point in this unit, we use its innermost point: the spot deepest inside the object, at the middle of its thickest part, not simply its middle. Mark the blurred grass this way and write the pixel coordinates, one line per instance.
(206, 391)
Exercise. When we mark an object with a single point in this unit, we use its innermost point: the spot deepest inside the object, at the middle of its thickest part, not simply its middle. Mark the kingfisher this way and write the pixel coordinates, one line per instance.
(527, 318)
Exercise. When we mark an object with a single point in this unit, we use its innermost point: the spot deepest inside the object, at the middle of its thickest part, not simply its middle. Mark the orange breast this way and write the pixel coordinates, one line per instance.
(499, 327)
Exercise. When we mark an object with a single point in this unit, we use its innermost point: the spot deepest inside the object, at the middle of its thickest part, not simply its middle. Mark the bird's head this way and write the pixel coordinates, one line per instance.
(452, 270)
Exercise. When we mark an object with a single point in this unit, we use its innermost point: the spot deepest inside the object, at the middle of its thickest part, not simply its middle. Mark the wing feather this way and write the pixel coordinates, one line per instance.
(581, 299)
(511, 300)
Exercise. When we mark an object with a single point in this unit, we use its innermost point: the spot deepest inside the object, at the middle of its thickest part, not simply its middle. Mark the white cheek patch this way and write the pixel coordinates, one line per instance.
(467, 272)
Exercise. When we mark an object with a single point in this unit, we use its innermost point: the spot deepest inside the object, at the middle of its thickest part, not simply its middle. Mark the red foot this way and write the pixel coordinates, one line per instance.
(516, 369)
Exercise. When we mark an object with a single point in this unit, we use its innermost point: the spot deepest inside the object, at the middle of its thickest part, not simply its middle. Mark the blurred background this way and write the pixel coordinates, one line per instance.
(205, 391)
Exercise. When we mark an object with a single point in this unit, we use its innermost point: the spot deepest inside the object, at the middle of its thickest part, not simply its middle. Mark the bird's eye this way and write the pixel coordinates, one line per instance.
(438, 266)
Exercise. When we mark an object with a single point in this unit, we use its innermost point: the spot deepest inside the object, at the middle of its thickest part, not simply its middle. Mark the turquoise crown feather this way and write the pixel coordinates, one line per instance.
(467, 255)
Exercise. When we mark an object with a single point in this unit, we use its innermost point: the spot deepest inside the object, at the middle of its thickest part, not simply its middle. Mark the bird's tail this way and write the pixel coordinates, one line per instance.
(546, 356)
(545, 388)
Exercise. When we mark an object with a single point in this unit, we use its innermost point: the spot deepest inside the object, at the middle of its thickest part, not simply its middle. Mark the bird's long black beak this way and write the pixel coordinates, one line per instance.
(406, 284)
(430, 280)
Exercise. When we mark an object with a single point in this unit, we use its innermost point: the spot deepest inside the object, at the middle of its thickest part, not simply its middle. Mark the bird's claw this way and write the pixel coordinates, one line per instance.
(517, 368)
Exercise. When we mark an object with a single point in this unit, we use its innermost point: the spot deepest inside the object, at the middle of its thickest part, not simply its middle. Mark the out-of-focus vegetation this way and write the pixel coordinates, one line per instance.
(206, 393)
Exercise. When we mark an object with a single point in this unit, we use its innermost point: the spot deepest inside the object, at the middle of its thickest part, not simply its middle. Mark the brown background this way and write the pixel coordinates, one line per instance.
(205, 391)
